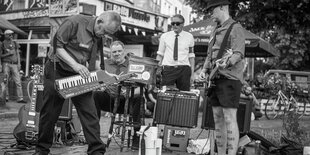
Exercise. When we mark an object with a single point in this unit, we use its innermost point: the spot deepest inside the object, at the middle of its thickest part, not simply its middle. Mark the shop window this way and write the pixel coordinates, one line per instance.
(33, 58)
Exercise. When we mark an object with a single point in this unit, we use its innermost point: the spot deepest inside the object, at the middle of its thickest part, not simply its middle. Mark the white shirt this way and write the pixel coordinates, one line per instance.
(166, 47)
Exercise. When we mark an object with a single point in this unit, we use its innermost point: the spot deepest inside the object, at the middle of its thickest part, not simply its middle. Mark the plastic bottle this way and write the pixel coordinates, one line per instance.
(257, 147)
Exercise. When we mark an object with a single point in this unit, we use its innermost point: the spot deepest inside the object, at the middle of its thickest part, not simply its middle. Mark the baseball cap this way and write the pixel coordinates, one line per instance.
(8, 32)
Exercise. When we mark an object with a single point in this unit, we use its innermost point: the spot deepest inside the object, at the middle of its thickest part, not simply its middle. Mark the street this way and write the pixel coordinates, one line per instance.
(266, 128)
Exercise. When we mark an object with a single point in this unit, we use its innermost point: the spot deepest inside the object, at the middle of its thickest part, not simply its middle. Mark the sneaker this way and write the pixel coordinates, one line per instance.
(21, 101)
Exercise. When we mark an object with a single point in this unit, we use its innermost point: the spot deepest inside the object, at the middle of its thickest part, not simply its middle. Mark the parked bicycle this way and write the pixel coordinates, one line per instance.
(280, 104)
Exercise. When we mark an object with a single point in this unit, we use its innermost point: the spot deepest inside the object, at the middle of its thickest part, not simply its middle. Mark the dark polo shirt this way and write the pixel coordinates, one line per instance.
(114, 68)
(76, 36)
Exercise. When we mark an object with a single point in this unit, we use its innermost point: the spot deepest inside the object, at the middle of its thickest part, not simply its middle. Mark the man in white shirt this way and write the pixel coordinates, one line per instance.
(176, 55)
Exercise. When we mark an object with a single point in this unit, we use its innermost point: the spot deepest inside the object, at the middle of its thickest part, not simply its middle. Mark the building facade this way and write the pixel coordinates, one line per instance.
(41, 18)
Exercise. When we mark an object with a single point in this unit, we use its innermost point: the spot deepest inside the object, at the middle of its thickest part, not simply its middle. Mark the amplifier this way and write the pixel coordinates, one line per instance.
(177, 108)
(66, 111)
(176, 138)
(243, 115)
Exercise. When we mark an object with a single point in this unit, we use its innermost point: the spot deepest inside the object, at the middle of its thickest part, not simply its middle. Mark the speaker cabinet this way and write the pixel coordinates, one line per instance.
(243, 115)
(177, 109)
(66, 111)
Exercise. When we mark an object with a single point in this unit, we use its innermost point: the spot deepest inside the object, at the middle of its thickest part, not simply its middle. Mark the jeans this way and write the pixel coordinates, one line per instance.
(13, 68)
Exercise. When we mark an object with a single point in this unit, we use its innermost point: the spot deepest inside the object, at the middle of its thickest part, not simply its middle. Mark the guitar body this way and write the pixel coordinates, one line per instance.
(214, 72)
(21, 132)
(26, 130)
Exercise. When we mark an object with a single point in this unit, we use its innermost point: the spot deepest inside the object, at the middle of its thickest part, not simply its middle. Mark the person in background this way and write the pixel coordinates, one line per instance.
(104, 100)
(176, 56)
(225, 94)
(10, 60)
(75, 47)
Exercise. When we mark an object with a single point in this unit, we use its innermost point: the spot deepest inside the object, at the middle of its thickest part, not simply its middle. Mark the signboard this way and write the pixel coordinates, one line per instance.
(63, 7)
(42, 50)
(132, 16)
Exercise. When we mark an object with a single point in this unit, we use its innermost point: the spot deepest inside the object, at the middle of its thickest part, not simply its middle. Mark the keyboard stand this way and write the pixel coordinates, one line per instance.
(126, 123)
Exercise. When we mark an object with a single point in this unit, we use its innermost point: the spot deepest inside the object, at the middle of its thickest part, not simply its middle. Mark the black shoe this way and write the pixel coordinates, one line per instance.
(21, 101)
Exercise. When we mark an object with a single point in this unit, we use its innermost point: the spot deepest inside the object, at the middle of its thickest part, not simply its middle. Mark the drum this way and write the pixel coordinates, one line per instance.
(145, 69)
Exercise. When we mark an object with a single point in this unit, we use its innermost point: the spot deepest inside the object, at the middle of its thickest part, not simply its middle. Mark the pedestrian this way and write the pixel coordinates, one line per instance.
(118, 64)
(225, 93)
(10, 60)
(176, 55)
(76, 43)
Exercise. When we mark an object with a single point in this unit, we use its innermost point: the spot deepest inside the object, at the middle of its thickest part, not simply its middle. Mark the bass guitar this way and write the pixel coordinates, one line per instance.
(26, 130)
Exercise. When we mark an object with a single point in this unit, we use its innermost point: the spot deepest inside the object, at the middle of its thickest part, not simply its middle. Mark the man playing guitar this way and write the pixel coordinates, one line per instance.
(224, 95)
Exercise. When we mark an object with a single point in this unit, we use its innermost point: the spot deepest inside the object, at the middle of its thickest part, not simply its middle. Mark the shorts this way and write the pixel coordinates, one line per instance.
(226, 93)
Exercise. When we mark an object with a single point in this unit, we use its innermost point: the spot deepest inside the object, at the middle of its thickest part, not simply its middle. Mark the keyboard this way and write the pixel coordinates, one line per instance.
(76, 85)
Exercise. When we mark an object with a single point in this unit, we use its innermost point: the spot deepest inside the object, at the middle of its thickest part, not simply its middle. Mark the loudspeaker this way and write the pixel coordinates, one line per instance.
(66, 111)
(177, 108)
(243, 115)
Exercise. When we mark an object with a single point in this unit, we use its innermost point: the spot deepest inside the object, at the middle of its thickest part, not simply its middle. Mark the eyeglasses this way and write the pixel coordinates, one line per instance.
(176, 23)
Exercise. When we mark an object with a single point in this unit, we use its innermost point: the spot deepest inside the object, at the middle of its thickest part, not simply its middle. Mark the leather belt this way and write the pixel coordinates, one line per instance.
(178, 66)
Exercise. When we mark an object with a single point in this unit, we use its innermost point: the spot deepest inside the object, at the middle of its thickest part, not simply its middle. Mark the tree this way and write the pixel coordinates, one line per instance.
(284, 23)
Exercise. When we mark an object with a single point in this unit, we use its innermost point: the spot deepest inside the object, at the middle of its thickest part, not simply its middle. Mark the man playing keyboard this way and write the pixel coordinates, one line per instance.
(75, 45)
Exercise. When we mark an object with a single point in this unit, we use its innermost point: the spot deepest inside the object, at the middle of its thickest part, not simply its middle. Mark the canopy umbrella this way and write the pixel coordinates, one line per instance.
(5, 24)
(254, 45)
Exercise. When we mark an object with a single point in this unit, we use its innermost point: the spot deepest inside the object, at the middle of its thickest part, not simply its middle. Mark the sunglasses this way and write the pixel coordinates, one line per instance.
(176, 23)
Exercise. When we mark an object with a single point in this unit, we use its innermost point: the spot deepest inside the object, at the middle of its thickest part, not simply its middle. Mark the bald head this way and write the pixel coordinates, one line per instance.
(107, 23)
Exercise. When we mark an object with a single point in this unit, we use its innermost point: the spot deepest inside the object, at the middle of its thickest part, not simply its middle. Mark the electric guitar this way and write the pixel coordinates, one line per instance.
(214, 71)
(27, 129)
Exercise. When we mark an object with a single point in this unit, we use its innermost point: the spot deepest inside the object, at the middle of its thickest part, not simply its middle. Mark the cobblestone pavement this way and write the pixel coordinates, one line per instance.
(9, 120)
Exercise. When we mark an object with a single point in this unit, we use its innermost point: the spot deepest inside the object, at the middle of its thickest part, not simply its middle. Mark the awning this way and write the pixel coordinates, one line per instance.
(254, 45)
(5, 24)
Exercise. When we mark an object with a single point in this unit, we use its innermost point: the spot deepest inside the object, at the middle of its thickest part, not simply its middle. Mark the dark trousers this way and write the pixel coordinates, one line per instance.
(179, 75)
(52, 105)
(104, 101)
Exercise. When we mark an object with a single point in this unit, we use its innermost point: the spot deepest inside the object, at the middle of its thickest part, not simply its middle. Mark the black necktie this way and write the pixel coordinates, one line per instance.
(93, 56)
(175, 53)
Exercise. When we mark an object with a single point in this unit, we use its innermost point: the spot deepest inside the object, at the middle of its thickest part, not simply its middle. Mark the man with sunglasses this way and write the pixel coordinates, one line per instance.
(10, 59)
(75, 47)
(225, 94)
(176, 55)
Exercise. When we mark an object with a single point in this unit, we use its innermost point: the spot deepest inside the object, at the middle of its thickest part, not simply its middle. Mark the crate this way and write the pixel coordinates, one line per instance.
(176, 138)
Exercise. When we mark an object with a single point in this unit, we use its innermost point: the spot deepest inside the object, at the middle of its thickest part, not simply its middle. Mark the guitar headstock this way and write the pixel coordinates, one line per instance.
(37, 70)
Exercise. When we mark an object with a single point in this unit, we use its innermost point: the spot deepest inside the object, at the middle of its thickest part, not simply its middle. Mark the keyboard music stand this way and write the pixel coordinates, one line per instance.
(126, 122)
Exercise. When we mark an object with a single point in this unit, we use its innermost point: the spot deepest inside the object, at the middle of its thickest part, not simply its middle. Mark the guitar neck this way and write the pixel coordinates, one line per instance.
(32, 107)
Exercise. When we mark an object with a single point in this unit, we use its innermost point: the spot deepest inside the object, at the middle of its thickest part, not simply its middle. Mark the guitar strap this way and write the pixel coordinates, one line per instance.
(225, 41)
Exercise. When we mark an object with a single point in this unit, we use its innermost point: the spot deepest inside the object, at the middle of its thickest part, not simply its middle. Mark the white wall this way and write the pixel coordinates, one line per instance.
(168, 8)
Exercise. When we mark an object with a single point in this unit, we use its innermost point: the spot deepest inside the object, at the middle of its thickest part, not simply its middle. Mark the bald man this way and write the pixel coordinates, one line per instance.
(75, 45)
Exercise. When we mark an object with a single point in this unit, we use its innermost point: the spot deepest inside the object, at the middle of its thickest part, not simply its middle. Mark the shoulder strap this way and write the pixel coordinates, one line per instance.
(225, 40)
